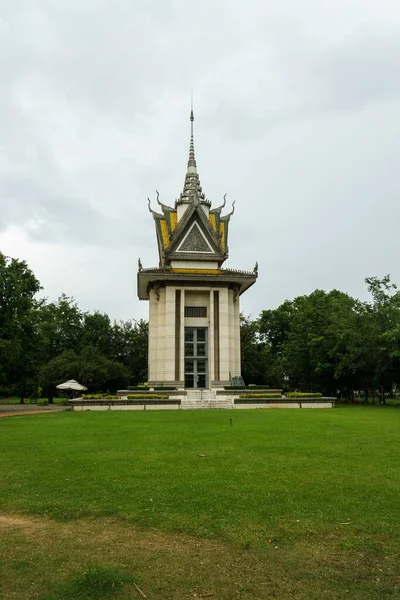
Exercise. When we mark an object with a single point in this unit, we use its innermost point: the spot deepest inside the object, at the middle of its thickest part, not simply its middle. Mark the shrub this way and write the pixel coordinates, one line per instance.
(303, 395)
(255, 396)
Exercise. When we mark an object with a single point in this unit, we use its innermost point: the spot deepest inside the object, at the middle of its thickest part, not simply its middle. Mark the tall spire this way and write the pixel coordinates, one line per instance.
(192, 160)
(192, 192)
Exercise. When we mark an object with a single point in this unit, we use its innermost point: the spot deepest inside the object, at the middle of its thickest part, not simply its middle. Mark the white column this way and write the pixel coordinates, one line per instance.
(160, 374)
(236, 308)
(224, 334)
(182, 339)
(169, 370)
(211, 372)
(232, 348)
(153, 336)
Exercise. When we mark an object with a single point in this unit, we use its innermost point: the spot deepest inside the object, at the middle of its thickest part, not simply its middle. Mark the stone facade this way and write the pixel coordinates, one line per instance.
(167, 325)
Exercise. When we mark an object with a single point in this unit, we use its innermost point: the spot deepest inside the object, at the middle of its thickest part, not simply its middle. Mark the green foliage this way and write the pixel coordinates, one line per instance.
(20, 339)
(256, 355)
(331, 343)
(303, 395)
(326, 342)
(94, 584)
(260, 395)
(90, 368)
(61, 326)
(44, 343)
(130, 348)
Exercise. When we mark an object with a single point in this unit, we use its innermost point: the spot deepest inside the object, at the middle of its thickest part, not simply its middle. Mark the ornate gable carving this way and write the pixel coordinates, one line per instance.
(194, 241)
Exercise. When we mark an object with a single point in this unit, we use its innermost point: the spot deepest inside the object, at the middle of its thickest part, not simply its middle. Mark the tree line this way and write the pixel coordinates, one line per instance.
(324, 342)
(328, 342)
(43, 343)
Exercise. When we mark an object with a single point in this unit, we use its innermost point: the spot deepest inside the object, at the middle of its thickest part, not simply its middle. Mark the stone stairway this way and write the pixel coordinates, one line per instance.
(204, 399)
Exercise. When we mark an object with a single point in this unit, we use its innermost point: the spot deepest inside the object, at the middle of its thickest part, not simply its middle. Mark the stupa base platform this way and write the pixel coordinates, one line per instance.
(199, 400)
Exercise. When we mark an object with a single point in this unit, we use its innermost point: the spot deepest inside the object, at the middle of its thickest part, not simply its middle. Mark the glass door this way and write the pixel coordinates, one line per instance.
(196, 355)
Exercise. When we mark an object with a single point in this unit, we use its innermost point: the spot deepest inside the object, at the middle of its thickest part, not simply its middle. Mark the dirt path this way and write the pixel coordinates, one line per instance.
(12, 410)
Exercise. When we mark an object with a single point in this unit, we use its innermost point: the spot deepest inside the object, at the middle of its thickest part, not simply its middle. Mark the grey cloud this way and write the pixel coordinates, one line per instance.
(363, 68)
(296, 118)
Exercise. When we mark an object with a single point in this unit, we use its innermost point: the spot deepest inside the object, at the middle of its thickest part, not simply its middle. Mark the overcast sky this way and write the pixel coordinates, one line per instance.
(297, 118)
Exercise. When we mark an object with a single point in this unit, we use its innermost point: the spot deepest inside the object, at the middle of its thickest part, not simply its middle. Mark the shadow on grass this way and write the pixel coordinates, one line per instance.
(95, 584)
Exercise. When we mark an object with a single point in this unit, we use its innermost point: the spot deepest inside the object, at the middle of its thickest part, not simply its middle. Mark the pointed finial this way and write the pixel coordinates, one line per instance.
(192, 160)
(192, 191)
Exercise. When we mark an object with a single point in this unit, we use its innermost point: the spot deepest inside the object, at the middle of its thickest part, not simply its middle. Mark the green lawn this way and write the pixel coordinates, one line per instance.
(280, 504)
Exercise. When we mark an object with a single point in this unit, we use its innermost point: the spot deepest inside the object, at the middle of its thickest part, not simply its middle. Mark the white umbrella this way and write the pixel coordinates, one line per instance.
(71, 384)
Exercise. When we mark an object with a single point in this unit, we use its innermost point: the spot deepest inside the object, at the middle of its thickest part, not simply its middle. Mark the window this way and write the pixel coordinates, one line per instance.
(196, 311)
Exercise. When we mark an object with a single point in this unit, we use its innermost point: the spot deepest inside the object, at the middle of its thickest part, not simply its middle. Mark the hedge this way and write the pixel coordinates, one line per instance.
(303, 395)
(255, 396)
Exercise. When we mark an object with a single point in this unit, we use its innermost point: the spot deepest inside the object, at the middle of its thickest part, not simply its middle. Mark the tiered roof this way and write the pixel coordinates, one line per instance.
(201, 233)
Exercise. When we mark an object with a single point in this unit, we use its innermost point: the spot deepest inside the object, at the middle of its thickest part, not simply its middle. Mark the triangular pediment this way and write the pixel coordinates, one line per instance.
(195, 241)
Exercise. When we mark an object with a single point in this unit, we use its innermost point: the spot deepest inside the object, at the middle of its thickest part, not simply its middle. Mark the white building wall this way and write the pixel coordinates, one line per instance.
(169, 362)
(232, 344)
(162, 332)
(224, 334)
(153, 336)
(182, 208)
(194, 264)
(159, 376)
(238, 365)
(182, 340)
(211, 371)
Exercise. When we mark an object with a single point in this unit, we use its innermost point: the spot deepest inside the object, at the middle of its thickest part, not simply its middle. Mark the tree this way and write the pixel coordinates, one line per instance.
(259, 365)
(90, 368)
(385, 314)
(100, 373)
(57, 370)
(130, 347)
(309, 335)
(61, 326)
(97, 331)
(20, 338)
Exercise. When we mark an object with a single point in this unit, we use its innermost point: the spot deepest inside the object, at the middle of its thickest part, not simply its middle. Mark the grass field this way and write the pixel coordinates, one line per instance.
(279, 504)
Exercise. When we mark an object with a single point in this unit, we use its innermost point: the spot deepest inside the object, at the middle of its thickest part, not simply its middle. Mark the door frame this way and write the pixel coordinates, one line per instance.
(195, 357)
